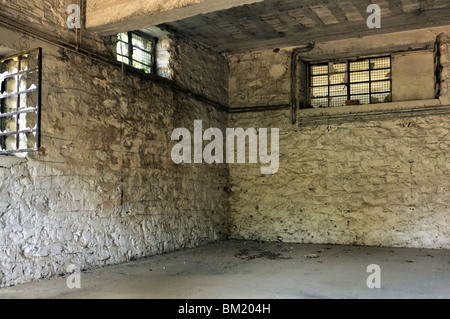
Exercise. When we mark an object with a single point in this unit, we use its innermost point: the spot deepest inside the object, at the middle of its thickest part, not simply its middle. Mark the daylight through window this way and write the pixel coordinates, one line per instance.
(136, 50)
(20, 102)
(362, 81)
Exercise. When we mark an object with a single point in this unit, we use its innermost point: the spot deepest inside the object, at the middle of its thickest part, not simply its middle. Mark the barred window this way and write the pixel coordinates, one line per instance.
(361, 81)
(20, 102)
(136, 50)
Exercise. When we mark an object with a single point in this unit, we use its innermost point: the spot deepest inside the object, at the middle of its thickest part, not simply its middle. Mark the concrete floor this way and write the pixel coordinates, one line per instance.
(254, 270)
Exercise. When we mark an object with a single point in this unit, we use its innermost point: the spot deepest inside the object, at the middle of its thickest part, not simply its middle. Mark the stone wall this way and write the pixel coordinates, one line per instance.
(260, 78)
(367, 182)
(444, 49)
(200, 70)
(103, 189)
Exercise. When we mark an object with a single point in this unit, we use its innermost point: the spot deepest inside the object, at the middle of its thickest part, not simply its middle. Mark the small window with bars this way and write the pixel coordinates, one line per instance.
(20, 102)
(350, 82)
(136, 50)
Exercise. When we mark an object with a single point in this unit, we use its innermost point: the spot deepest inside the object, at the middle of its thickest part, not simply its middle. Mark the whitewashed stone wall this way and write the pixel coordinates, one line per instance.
(379, 182)
(445, 63)
(201, 70)
(370, 183)
(103, 189)
(260, 78)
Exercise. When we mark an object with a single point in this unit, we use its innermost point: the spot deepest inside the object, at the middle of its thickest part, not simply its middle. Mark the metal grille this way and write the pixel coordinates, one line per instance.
(20, 102)
(139, 52)
(362, 81)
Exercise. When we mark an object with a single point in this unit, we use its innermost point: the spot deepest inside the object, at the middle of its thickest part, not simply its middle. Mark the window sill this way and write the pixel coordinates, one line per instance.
(371, 112)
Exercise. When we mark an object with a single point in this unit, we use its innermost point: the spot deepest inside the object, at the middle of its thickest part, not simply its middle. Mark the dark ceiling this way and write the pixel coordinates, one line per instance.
(284, 23)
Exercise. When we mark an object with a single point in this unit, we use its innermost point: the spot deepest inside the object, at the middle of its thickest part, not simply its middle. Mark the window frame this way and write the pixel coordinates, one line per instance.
(348, 82)
(4, 133)
(131, 47)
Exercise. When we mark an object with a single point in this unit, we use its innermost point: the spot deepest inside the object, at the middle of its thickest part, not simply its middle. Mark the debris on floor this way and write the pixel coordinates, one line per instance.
(309, 256)
(244, 254)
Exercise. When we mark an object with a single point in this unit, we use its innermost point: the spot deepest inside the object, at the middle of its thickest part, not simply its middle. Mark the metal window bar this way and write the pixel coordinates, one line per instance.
(22, 116)
(369, 79)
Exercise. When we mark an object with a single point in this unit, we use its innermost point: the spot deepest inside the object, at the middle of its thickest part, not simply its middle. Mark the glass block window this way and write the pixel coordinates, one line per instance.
(136, 50)
(20, 102)
(361, 81)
